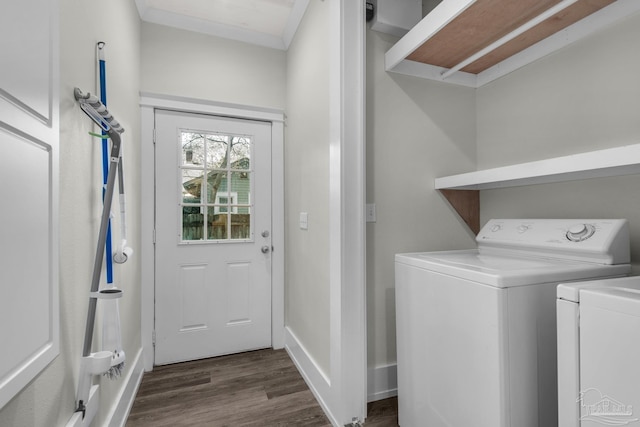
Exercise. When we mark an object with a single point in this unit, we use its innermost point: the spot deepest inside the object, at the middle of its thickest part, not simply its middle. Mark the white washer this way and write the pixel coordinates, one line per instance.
(598, 353)
(476, 329)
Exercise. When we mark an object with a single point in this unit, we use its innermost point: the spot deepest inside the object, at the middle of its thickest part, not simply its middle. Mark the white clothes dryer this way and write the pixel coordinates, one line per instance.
(599, 353)
(476, 329)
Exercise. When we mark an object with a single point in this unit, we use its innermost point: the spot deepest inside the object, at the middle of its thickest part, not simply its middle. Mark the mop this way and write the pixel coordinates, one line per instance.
(102, 361)
(111, 335)
(111, 338)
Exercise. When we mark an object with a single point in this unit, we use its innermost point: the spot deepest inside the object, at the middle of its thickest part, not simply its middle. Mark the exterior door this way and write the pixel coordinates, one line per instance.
(213, 236)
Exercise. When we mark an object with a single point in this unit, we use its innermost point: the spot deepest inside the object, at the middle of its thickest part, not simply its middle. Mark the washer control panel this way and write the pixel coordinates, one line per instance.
(580, 232)
(558, 236)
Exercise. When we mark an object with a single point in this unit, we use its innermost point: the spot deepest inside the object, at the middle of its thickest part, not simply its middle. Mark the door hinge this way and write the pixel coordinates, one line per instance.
(153, 338)
(154, 236)
(154, 136)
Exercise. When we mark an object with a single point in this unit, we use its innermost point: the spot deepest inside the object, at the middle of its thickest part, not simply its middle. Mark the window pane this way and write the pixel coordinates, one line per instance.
(222, 164)
(192, 149)
(241, 185)
(217, 155)
(241, 152)
(191, 185)
(216, 184)
(217, 226)
(192, 223)
(240, 189)
(240, 226)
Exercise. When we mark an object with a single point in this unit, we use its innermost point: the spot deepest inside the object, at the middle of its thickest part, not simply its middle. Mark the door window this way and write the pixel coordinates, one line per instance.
(220, 164)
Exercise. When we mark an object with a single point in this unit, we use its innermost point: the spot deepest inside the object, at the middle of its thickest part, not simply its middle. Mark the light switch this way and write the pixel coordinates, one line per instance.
(371, 212)
(304, 220)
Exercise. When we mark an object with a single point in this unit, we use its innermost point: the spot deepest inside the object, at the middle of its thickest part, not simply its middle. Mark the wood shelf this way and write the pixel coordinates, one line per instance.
(462, 190)
(473, 42)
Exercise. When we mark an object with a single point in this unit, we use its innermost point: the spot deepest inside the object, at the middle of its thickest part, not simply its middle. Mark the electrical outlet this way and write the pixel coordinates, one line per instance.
(304, 221)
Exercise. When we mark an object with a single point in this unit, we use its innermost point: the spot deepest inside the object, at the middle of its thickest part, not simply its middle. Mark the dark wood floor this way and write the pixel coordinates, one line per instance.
(258, 388)
(383, 413)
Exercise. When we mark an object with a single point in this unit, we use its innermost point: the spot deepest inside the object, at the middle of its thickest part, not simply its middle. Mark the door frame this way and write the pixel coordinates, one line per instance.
(149, 102)
(348, 246)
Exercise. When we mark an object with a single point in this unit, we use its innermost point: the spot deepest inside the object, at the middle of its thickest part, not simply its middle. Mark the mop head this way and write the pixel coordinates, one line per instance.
(115, 372)
(117, 365)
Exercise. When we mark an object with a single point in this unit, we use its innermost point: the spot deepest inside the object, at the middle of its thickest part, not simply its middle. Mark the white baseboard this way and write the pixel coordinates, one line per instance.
(315, 378)
(122, 406)
(382, 382)
(78, 419)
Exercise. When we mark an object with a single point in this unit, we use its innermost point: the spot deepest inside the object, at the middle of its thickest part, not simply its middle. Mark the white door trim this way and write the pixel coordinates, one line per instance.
(148, 103)
(347, 245)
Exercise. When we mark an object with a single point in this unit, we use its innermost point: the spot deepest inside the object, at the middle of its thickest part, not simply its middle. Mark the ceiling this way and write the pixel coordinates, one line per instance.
(269, 23)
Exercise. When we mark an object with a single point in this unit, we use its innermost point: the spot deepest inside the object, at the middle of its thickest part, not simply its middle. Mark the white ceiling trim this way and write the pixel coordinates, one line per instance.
(162, 17)
(299, 7)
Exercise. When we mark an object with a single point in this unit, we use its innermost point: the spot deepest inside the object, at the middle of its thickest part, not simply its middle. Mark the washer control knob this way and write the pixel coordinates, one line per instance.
(580, 232)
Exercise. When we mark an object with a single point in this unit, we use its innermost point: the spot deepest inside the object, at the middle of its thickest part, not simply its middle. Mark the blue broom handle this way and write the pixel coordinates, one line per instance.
(105, 161)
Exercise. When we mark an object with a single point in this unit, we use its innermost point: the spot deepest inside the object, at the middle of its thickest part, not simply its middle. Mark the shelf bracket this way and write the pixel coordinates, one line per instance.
(467, 204)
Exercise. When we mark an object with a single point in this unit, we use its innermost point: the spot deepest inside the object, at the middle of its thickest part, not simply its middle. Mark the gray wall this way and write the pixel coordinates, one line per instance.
(417, 130)
(307, 184)
(429, 5)
(184, 63)
(49, 400)
(584, 97)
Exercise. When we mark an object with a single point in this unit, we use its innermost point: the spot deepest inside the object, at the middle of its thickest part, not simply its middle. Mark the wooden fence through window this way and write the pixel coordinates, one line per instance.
(192, 226)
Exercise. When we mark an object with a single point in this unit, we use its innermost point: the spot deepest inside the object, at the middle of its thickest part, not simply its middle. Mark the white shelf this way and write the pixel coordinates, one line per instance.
(595, 164)
(446, 14)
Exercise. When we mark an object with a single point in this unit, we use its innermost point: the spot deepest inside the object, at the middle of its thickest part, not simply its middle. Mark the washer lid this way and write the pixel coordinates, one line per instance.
(572, 291)
(507, 270)
(619, 300)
